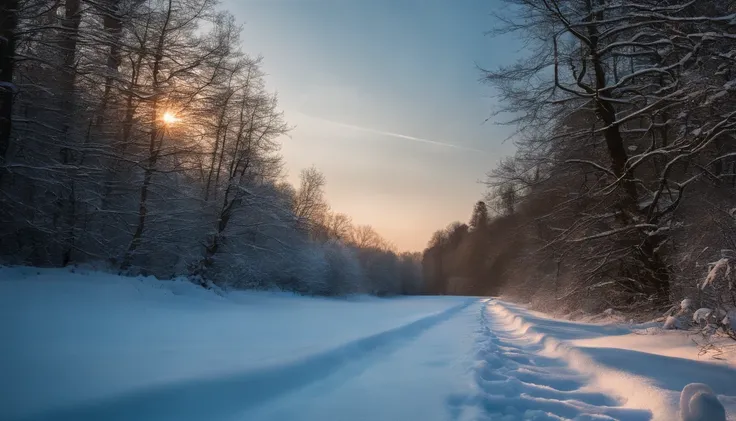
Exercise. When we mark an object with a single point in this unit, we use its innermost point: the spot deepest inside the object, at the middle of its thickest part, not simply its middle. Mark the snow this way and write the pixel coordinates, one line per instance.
(672, 323)
(90, 346)
(702, 315)
(100, 347)
(686, 304)
(721, 266)
(730, 320)
(644, 371)
(699, 403)
(8, 86)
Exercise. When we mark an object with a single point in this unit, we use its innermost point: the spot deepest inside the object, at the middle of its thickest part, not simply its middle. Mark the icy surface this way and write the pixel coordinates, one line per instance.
(90, 346)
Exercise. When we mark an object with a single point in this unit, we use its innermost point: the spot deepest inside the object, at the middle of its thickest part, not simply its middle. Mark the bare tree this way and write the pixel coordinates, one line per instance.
(309, 203)
(365, 236)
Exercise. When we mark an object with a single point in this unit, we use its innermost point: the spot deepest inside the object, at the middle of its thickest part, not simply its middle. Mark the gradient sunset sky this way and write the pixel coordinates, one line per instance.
(386, 102)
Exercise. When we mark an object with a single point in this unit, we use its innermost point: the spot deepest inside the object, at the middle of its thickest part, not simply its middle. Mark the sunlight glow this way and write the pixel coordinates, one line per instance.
(169, 118)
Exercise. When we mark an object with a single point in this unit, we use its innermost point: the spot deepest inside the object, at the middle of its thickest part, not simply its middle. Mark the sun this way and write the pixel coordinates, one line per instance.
(169, 118)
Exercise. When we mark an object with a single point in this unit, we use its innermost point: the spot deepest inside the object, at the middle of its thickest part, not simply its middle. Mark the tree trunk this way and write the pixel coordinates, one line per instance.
(154, 147)
(216, 149)
(153, 153)
(655, 276)
(607, 113)
(8, 23)
(68, 42)
(113, 25)
(68, 46)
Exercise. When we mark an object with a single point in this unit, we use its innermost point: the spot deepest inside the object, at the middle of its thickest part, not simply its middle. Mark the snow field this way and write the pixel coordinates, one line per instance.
(98, 346)
(87, 346)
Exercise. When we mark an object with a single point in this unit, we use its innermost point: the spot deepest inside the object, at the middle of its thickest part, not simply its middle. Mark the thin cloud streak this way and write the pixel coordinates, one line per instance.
(396, 135)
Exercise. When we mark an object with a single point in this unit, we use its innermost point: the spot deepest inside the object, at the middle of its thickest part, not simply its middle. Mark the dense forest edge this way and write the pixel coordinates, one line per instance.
(137, 136)
(622, 194)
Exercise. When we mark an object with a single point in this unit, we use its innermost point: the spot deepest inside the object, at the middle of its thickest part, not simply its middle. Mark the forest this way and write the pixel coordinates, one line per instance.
(138, 137)
(622, 192)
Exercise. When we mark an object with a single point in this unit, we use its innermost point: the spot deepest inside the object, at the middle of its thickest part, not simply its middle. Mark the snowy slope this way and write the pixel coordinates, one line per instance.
(90, 346)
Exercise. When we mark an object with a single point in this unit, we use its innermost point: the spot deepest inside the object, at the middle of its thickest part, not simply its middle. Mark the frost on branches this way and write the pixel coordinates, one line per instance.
(622, 184)
(718, 300)
(144, 140)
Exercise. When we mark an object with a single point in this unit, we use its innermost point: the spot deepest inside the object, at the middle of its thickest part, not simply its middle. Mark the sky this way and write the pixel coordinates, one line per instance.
(385, 100)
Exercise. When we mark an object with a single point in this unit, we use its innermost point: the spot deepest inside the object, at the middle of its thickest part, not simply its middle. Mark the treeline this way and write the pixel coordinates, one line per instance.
(623, 191)
(458, 259)
(138, 134)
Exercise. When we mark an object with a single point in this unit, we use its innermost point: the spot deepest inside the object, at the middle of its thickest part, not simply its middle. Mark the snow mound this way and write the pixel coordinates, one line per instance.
(686, 304)
(699, 403)
(672, 323)
(702, 315)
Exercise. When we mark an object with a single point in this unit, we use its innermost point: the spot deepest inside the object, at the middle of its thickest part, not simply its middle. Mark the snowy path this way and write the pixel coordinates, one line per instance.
(516, 381)
(101, 347)
(469, 366)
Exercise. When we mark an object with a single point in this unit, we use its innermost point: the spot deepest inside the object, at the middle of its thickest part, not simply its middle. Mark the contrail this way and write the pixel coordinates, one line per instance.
(397, 135)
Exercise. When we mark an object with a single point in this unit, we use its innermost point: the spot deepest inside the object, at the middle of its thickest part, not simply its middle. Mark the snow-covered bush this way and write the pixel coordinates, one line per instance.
(381, 270)
(702, 316)
(672, 322)
(719, 293)
(344, 273)
(717, 299)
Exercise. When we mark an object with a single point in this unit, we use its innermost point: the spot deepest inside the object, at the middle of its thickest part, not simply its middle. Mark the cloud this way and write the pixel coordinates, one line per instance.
(396, 135)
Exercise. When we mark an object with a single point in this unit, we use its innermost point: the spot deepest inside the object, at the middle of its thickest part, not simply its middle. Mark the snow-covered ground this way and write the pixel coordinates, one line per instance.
(90, 346)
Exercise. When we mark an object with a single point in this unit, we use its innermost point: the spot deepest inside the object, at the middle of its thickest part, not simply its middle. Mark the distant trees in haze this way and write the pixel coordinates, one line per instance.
(139, 134)
(457, 259)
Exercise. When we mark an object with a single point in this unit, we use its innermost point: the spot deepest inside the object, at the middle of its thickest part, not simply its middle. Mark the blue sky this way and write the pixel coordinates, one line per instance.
(386, 102)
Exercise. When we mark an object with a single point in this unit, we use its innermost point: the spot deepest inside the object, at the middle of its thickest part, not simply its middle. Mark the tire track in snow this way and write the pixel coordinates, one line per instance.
(515, 382)
(228, 396)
